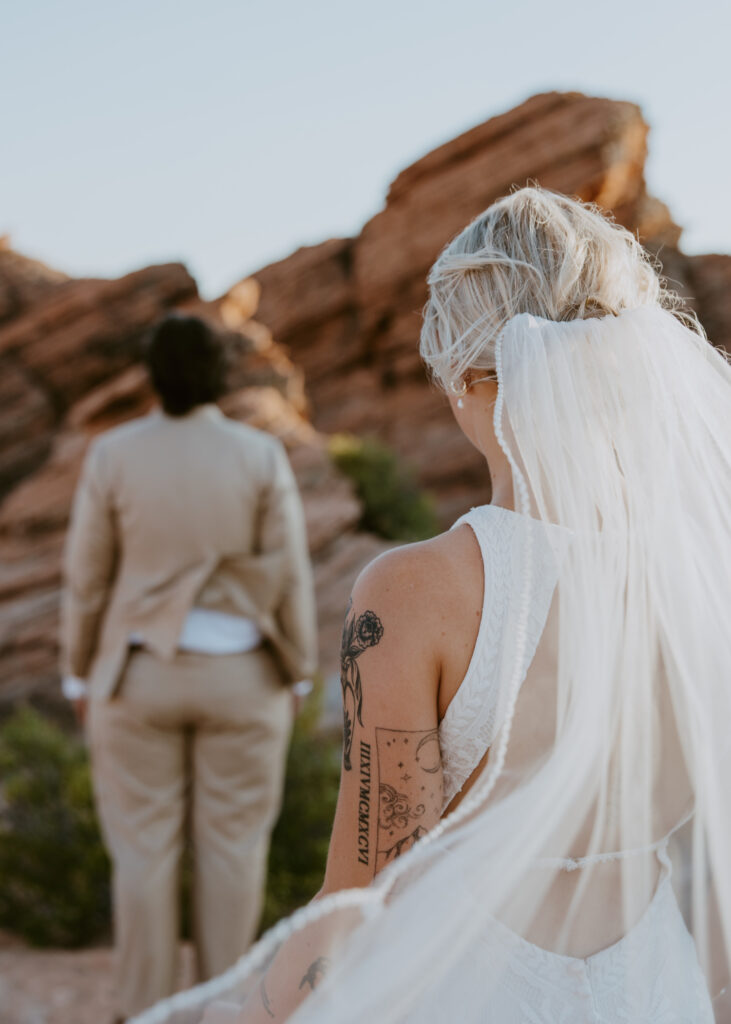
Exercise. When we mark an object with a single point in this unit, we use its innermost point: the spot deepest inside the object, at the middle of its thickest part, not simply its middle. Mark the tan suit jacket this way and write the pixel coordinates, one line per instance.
(171, 512)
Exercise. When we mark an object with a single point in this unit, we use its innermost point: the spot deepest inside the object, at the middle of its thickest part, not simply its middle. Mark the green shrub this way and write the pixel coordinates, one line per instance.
(301, 836)
(54, 872)
(394, 507)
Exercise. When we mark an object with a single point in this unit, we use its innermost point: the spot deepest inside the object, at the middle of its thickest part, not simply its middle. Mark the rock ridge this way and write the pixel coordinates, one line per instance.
(324, 340)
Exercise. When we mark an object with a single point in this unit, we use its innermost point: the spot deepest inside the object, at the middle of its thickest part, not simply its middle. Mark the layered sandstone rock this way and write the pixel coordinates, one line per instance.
(345, 315)
(69, 368)
(708, 280)
(23, 281)
(60, 338)
(349, 309)
(34, 516)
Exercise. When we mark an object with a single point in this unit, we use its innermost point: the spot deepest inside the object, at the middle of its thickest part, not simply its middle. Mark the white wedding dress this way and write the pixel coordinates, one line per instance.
(531, 984)
(583, 875)
(650, 974)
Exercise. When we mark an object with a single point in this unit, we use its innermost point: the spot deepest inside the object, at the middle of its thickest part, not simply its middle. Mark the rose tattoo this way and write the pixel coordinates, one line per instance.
(358, 635)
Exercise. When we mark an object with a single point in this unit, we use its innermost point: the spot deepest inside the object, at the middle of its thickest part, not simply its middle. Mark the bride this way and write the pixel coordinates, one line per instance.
(534, 821)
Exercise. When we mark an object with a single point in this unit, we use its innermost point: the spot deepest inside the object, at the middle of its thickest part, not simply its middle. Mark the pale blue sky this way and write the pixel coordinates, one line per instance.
(225, 133)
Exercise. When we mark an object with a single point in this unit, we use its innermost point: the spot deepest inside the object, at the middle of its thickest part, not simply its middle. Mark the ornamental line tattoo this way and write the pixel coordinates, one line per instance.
(265, 998)
(358, 635)
(262, 984)
(428, 754)
(314, 972)
(393, 809)
(403, 844)
(364, 803)
(409, 789)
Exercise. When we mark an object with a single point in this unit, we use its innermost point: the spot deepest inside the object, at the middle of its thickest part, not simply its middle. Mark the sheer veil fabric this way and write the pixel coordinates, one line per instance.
(603, 812)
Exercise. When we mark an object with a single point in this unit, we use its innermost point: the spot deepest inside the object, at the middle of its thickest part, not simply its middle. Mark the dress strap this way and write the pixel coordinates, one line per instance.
(659, 847)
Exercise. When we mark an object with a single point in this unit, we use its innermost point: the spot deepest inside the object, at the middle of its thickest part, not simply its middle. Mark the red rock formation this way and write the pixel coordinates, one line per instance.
(60, 338)
(346, 316)
(23, 281)
(709, 285)
(69, 367)
(34, 516)
(349, 309)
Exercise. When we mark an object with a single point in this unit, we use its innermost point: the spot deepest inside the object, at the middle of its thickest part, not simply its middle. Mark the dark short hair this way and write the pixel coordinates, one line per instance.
(186, 362)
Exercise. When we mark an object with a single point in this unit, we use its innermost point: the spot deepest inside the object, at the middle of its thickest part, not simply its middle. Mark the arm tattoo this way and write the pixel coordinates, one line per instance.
(364, 804)
(428, 757)
(407, 760)
(314, 972)
(262, 984)
(265, 998)
(394, 809)
(392, 852)
(358, 635)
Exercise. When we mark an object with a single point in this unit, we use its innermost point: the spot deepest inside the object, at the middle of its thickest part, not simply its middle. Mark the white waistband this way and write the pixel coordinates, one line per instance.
(210, 632)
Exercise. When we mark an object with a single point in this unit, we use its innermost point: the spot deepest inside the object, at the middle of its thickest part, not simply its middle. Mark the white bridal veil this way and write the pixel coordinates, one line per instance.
(609, 778)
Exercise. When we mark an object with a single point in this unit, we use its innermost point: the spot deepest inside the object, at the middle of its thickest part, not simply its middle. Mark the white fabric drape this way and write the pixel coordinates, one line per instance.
(617, 430)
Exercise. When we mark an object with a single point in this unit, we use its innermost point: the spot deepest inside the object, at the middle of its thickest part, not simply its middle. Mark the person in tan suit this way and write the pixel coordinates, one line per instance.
(189, 613)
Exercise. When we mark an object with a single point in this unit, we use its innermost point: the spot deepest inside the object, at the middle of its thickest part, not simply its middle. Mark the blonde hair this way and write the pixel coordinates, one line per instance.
(538, 252)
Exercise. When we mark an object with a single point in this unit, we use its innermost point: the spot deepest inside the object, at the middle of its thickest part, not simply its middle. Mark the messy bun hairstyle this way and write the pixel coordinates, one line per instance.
(538, 252)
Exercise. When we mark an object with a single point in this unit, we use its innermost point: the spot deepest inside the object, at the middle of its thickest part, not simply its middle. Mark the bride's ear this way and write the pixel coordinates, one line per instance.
(478, 376)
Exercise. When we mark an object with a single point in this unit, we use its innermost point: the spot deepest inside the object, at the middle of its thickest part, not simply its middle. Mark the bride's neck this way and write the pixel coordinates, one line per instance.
(502, 484)
(499, 468)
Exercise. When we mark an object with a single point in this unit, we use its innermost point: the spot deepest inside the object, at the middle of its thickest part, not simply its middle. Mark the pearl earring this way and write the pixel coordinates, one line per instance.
(459, 390)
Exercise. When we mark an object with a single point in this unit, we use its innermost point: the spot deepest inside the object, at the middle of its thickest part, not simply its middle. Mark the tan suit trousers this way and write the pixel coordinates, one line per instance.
(202, 737)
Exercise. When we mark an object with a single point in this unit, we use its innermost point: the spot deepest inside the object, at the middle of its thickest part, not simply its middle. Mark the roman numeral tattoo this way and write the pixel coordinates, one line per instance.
(364, 804)
(358, 635)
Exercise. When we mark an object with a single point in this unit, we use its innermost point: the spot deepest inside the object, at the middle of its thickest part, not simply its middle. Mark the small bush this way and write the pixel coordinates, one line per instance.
(54, 872)
(301, 836)
(394, 507)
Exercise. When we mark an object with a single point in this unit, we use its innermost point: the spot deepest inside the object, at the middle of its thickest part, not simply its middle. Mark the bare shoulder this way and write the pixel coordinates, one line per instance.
(419, 583)
(424, 562)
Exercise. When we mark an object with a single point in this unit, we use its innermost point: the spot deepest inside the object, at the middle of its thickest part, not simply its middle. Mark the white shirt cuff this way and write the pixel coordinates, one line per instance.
(74, 688)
